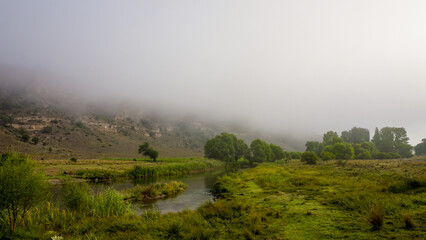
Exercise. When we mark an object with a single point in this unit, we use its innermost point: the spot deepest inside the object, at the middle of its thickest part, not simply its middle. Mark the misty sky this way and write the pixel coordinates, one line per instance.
(299, 67)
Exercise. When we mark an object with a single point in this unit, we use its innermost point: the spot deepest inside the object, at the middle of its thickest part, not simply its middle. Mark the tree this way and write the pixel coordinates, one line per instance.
(331, 138)
(260, 152)
(309, 157)
(314, 146)
(343, 151)
(241, 148)
(35, 140)
(146, 150)
(24, 135)
(420, 148)
(391, 139)
(356, 135)
(277, 152)
(325, 155)
(369, 146)
(221, 147)
(21, 187)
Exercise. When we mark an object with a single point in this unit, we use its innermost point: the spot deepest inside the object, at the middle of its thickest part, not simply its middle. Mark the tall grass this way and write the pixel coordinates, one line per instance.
(78, 196)
(169, 167)
(173, 169)
(154, 191)
(110, 203)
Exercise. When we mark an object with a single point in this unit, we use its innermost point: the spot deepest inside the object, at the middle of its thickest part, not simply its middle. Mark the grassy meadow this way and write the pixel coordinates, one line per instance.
(354, 199)
(114, 168)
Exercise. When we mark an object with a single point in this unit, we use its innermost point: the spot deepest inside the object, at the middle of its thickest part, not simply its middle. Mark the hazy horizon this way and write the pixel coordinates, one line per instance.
(291, 67)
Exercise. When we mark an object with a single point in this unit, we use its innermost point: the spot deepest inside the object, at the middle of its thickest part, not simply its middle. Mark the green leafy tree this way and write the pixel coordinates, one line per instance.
(277, 152)
(241, 148)
(148, 151)
(260, 152)
(314, 146)
(325, 155)
(295, 155)
(369, 146)
(343, 150)
(221, 147)
(356, 135)
(364, 154)
(24, 135)
(391, 139)
(331, 138)
(309, 157)
(21, 187)
(420, 148)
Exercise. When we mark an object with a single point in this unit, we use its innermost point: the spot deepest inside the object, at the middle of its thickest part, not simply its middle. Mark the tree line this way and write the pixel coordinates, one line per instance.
(387, 143)
(227, 147)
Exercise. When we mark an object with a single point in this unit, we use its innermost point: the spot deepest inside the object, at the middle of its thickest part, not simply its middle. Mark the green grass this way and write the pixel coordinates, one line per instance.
(272, 201)
(127, 168)
(154, 191)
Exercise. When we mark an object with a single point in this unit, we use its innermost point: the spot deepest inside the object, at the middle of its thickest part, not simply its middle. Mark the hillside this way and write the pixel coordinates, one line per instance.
(95, 134)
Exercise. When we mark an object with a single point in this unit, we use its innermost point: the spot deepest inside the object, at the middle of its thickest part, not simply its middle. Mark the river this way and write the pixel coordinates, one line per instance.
(197, 193)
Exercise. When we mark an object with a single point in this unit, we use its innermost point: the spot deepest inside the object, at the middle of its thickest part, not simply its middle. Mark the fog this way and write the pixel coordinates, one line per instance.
(295, 68)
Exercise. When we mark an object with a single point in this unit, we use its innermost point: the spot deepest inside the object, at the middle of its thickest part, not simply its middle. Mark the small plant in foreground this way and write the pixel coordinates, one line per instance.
(408, 220)
(376, 217)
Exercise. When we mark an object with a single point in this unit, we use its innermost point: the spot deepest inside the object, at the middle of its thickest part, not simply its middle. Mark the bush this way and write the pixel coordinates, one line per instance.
(21, 188)
(25, 137)
(35, 140)
(309, 157)
(384, 155)
(77, 196)
(343, 151)
(73, 159)
(327, 155)
(295, 155)
(364, 155)
(47, 129)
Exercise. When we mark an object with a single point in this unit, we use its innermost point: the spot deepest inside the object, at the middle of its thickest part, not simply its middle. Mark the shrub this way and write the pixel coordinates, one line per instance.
(25, 137)
(295, 155)
(21, 188)
(381, 155)
(364, 154)
(47, 129)
(343, 151)
(77, 196)
(309, 157)
(73, 159)
(327, 155)
(35, 140)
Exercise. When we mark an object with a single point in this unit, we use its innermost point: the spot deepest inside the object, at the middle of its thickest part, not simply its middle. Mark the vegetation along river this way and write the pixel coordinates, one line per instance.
(197, 193)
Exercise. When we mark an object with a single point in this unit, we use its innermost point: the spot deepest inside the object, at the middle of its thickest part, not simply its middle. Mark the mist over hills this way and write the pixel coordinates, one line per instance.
(67, 123)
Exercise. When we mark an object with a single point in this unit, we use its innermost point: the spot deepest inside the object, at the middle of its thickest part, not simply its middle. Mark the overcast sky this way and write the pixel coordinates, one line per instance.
(300, 67)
